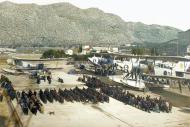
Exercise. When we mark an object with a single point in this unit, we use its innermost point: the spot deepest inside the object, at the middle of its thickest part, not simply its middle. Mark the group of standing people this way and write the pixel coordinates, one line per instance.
(6, 84)
(43, 75)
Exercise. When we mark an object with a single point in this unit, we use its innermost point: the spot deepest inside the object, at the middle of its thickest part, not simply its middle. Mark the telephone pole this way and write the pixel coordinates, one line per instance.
(177, 48)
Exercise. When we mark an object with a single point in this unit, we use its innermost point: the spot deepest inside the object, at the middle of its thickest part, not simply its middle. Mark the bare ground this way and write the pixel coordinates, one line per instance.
(113, 114)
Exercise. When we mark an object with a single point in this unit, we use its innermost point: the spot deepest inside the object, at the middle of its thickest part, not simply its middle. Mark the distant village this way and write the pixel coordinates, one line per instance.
(84, 50)
(87, 49)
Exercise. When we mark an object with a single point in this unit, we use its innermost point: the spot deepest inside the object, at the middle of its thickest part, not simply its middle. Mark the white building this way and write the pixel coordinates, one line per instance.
(105, 49)
(7, 50)
(69, 52)
(86, 49)
(188, 49)
(115, 50)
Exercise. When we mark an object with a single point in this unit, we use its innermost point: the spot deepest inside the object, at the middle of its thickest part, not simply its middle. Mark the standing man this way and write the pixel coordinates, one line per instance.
(49, 77)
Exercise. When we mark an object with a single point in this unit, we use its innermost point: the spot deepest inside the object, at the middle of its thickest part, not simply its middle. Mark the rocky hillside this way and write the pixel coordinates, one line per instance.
(184, 37)
(63, 23)
(170, 47)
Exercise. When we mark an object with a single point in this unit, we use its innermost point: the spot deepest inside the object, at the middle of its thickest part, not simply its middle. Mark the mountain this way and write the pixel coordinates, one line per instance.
(184, 37)
(173, 47)
(63, 23)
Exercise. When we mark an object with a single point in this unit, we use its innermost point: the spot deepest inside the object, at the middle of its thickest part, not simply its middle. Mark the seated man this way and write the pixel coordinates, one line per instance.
(60, 80)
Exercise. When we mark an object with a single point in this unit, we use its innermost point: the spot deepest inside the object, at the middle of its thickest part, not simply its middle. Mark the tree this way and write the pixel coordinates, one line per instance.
(138, 51)
(51, 53)
(80, 49)
(154, 52)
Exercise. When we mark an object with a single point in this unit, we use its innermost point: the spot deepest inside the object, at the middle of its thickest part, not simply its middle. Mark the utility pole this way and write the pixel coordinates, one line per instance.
(177, 48)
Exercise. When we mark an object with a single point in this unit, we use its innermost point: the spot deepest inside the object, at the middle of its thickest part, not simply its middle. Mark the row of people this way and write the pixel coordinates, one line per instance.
(30, 100)
(145, 103)
(6, 84)
(76, 94)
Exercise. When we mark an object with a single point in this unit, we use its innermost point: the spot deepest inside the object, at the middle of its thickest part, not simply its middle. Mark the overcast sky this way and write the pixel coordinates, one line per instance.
(174, 13)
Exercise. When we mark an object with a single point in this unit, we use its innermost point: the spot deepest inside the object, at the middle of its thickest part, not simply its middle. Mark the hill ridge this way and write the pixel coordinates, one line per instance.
(64, 23)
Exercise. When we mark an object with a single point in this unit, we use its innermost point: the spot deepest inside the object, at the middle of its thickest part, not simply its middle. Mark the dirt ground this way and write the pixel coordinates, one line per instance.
(113, 114)
(5, 115)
